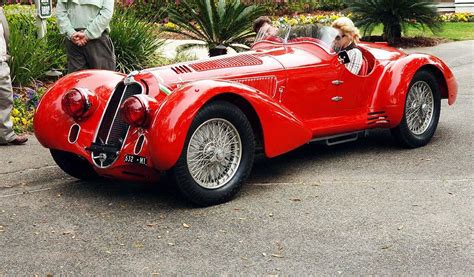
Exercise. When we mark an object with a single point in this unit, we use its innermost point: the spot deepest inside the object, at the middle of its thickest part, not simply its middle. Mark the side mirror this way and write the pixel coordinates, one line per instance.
(344, 57)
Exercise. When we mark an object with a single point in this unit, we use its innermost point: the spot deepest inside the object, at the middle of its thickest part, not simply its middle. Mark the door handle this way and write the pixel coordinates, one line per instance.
(337, 82)
(336, 98)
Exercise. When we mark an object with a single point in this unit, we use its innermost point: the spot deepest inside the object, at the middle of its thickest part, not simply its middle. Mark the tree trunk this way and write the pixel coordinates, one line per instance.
(392, 32)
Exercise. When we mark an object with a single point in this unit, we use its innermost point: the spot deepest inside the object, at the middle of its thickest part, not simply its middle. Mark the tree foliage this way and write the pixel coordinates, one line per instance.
(395, 15)
(215, 22)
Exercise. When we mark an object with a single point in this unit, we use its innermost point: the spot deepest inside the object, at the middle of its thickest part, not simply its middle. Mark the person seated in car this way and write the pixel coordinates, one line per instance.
(347, 40)
(265, 30)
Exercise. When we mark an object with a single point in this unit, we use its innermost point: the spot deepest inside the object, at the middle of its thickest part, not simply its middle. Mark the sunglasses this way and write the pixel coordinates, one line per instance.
(339, 37)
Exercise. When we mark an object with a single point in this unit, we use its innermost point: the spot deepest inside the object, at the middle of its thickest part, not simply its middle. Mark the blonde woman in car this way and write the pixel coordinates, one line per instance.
(347, 40)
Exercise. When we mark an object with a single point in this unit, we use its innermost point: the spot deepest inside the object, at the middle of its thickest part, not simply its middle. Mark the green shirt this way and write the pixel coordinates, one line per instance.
(92, 15)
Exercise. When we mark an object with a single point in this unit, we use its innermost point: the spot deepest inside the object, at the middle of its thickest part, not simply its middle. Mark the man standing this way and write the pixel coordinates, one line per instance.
(6, 92)
(86, 25)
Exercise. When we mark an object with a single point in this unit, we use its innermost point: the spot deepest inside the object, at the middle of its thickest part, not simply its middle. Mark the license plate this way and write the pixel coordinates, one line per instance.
(134, 159)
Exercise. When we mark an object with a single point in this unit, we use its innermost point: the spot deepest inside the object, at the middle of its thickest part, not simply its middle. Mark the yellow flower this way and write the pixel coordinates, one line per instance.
(292, 22)
(170, 25)
(15, 112)
(24, 121)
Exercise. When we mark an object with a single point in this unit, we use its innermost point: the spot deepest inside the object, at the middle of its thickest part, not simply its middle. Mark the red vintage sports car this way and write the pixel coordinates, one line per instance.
(202, 121)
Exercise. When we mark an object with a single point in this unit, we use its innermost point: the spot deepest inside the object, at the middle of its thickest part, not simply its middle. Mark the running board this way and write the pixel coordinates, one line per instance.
(341, 138)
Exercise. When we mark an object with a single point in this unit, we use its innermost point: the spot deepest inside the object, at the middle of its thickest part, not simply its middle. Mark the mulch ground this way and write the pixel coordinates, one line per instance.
(409, 42)
(168, 35)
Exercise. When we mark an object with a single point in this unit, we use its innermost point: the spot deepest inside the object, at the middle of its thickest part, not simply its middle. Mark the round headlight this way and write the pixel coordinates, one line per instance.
(134, 112)
(77, 103)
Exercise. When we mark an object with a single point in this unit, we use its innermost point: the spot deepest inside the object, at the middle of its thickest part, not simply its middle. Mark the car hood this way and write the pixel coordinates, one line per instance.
(226, 67)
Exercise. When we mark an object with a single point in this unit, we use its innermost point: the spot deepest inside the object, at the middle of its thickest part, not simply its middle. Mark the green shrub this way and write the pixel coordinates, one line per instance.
(181, 56)
(149, 10)
(215, 22)
(299, 6)
(31, 58)
(135, 41)
(395, 15)
(135, 44)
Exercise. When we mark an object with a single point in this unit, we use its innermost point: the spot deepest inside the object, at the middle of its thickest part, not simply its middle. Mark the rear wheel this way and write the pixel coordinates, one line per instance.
(422, 111)
(217, 156)
(74, 165)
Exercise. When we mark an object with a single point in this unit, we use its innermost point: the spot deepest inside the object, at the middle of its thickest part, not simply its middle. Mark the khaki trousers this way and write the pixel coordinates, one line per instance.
(6, 104)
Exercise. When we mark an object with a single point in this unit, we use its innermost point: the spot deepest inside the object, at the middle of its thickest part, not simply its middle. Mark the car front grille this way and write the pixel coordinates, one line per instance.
(112, 130)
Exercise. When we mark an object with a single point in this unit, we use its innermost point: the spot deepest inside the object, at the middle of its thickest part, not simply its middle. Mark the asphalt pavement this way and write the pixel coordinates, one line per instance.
(367, 207)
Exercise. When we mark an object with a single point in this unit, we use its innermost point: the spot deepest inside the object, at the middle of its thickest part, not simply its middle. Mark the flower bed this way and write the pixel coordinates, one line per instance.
(329, 17)
(457, 17)
(301, 19)
(25, 101)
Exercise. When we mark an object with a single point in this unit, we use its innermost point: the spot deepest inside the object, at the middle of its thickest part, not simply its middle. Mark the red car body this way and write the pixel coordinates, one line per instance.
(291, 93)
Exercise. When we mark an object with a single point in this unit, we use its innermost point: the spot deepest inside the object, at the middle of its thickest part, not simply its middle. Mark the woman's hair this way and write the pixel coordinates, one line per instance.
(259, 22)
(347, 27)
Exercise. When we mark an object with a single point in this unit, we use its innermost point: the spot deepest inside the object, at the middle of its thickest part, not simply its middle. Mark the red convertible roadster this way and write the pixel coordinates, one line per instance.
(202, 121)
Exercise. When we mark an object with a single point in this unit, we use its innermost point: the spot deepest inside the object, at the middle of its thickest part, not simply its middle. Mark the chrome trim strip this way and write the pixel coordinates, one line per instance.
(364, 132)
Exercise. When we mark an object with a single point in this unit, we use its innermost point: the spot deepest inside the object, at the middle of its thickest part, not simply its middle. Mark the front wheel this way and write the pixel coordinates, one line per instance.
(217, 156)
(74, 165)
(422, 111)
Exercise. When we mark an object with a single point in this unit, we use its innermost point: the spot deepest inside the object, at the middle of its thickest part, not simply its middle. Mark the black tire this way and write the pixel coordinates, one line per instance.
(74, 165)
(189, 187)
(402, 133)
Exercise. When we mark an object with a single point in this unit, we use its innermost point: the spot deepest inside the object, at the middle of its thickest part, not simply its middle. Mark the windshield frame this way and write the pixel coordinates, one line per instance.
(324, 40)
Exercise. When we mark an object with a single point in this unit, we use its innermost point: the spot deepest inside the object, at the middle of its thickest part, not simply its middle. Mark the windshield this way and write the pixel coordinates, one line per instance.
(275, 34)
(322, 35)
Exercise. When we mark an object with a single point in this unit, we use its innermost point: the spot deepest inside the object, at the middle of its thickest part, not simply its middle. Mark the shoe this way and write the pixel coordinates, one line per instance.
(19, 140)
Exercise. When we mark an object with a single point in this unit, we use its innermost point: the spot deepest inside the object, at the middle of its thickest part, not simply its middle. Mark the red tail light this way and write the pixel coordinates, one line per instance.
(78, 103)
(136, 110)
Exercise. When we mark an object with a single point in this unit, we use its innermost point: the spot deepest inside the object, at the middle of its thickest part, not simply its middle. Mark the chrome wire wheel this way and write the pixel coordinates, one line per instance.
(214, 153)
(419, 107)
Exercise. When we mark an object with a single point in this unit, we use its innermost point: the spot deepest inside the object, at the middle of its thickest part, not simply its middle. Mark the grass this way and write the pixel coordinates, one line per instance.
(451, 30)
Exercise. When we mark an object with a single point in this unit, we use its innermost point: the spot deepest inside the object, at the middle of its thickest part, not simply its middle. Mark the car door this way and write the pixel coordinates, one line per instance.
(344, 97)
(340, 104)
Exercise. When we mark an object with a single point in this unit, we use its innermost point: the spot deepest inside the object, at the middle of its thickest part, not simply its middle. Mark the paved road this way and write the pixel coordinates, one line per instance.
(367, 207)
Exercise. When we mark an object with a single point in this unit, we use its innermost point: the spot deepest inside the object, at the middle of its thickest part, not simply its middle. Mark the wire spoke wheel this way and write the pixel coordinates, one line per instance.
(214, 153)
(419, 107)
(421, 112)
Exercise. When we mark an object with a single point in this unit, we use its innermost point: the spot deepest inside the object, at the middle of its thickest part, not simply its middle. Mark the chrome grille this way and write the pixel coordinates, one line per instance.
(112, 130)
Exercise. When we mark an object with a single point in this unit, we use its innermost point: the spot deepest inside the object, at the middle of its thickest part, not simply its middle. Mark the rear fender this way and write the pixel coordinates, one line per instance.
(282, 131)
(52, 125)
(392, 87)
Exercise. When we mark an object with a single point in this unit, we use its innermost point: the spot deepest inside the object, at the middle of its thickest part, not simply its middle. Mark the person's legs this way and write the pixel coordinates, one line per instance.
(100, 53)
(76, 60)
(6, 105)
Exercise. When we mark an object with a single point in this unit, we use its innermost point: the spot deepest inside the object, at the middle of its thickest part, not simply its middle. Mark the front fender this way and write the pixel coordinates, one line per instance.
(52, 125)
(173, 120)
(392, 87)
